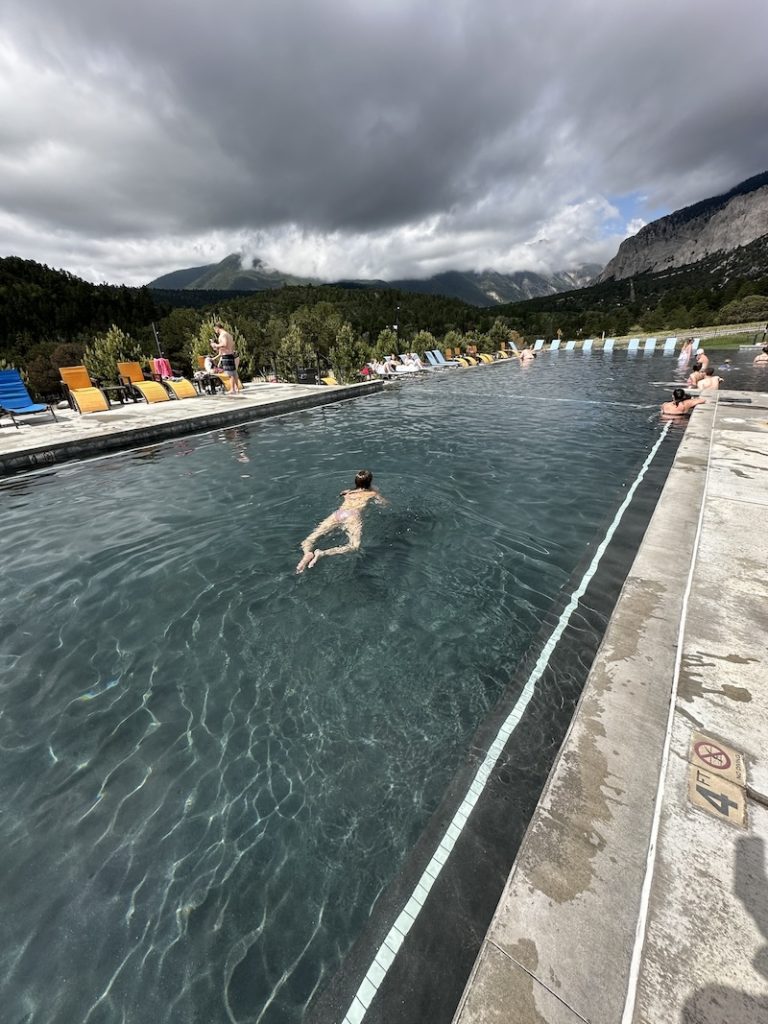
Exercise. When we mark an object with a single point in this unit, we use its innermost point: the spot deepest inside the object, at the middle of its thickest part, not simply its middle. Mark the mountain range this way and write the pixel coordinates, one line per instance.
(714, 233)
(486, 288)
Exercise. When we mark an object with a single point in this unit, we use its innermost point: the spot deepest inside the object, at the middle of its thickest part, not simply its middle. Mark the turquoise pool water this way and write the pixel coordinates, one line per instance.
(213, 767)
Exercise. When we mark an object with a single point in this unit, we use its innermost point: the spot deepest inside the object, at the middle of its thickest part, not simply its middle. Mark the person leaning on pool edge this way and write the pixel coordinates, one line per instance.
(347, 518)
(681, 404)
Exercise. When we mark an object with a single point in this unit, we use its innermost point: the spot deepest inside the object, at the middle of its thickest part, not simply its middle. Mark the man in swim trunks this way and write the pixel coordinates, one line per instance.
(225, 346)
(681, 404)
(348, 518)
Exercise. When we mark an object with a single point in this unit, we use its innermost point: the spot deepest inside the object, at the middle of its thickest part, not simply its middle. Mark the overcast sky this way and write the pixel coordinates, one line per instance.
(367, 138)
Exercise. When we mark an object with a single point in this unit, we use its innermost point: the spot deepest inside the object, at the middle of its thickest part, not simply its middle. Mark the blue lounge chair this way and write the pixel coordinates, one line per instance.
(538, 345)
(650, 345)
(441, 360)
(570, 346)
(669, 346)
(609, 343)
(430, 357)
(554, 345)
(634, 345)
(587, 346)
(15, 400)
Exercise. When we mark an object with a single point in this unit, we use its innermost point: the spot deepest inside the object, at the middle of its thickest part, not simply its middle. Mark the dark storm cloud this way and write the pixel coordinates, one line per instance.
(410, 136)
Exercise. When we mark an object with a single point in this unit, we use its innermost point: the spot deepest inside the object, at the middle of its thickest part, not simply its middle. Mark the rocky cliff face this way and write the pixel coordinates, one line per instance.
(721, 224)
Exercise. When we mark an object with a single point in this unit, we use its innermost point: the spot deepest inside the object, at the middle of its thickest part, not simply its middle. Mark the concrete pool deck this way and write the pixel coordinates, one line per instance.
(640, 892)
(40, 441)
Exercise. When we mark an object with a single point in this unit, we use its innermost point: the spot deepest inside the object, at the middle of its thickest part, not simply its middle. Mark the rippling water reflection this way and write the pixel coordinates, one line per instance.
(212, 767)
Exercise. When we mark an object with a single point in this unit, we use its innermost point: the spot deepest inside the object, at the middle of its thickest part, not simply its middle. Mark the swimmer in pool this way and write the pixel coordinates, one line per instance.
(681, 404)
(347, 518)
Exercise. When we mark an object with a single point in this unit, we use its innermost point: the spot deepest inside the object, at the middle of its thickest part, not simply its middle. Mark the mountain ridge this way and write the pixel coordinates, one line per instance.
(720, 224)
(484, 288)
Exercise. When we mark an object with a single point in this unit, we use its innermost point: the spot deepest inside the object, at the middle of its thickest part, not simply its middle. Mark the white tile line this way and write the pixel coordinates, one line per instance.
(397, 933)
(650, 864)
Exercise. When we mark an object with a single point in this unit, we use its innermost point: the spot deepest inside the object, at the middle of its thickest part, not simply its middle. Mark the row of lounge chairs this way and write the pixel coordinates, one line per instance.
(86, 394)
(436, 360)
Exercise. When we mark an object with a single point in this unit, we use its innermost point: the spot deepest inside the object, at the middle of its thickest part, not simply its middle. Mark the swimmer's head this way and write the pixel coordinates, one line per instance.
(696, 367)
(765, 349)
(710, 371)
(679, 395)
(363, 479)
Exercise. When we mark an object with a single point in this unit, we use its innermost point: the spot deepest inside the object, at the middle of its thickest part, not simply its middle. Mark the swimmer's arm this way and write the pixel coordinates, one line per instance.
(379, 498)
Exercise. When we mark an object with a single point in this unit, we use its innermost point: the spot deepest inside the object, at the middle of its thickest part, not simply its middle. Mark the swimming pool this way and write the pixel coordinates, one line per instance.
(212, 768)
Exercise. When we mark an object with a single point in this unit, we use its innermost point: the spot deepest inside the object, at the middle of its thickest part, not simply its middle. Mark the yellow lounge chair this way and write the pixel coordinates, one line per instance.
(132, 377)
(81, 392)
(180, 387)
(330, 380)
(226, 380)
(484, 357)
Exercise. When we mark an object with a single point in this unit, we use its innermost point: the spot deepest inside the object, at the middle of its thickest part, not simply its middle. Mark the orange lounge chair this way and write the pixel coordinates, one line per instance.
(132, 377)
(81, 393)
(179, 387)
(224, 378)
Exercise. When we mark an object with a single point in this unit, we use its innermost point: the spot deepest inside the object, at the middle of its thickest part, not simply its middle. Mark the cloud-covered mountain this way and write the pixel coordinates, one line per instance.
(717, 225)
(486, 288)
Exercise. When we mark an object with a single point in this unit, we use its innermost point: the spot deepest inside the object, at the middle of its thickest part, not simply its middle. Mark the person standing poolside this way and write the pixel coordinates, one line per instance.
(348, 518)
(681, 404)
(685, 353)
(225, 346)
(761, 359)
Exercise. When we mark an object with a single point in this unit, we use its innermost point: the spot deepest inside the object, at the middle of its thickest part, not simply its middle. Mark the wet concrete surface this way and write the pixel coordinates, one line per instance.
(628, 902)
(42, 441)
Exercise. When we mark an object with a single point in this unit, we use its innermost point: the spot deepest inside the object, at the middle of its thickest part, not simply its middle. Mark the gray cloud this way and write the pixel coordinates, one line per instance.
(385, 138)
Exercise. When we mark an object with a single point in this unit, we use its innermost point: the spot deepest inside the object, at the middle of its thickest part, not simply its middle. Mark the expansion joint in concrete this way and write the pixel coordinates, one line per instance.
(536, 979)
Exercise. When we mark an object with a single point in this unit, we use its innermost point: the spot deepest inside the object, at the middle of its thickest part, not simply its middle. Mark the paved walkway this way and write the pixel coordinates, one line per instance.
(40, 441)
(640, 893)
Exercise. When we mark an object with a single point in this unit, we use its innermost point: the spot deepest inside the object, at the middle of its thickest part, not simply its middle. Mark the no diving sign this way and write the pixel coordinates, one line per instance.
(718, 758)
(716, 779)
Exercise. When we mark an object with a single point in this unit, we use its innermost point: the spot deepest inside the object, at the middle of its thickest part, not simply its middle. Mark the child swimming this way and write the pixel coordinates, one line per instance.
(347, 518)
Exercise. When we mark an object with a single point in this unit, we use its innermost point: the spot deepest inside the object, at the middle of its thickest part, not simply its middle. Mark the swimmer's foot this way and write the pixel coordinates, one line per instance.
(308, 560)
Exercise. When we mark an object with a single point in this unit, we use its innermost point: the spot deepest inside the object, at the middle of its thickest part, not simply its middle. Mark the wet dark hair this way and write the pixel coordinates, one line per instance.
(696, 367)
(709, 371)
(679, 395)
(363, 479)
(765, 349)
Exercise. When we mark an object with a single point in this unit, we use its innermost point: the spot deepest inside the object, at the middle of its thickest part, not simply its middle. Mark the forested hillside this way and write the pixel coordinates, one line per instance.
(49, 317)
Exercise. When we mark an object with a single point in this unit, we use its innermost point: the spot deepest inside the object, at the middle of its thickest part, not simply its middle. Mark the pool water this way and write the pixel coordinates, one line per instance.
(213, 767)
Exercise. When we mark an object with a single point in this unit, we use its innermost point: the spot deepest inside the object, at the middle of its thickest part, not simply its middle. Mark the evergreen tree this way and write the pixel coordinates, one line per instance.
(348, 355)
(107, 350)
(293, 353)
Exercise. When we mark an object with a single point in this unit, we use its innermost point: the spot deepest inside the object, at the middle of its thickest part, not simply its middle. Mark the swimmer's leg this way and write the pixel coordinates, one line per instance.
(353, 528)
(307, 545)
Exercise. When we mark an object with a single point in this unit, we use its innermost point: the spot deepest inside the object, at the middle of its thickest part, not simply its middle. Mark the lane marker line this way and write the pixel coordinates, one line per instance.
(650, 862)
(397, 933)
